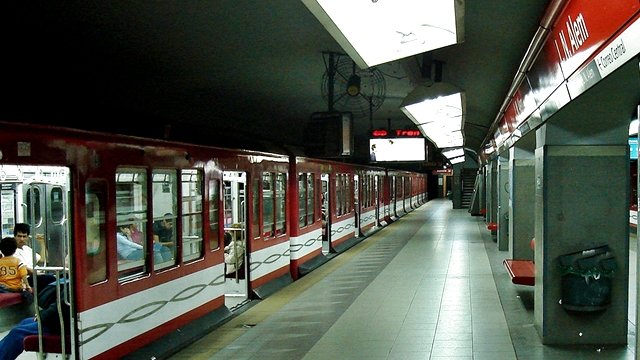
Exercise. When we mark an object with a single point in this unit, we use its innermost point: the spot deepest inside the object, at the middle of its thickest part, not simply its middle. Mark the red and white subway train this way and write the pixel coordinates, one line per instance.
(217, 227)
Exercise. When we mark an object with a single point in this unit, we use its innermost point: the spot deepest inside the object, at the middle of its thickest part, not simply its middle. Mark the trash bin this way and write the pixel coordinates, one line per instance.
(586, 279)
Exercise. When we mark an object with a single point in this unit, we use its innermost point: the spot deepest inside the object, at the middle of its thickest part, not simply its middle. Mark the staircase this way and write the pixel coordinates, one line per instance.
(468, 177)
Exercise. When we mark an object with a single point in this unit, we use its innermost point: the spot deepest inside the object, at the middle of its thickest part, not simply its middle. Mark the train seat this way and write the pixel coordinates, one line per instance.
(51, 344)
(8, 299)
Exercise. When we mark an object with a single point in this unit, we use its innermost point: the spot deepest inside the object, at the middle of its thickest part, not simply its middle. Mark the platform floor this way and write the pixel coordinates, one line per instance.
(431, 286)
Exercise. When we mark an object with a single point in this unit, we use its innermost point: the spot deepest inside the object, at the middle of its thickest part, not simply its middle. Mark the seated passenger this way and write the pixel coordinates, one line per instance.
(233, 254)
(129, 250)
(163, 230)
(137, 236)
(13, 273)
(21, 233)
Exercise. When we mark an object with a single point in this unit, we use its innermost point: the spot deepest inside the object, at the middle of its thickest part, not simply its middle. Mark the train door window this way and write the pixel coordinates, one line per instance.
(8, 215)
(131, 218)
(268, 224)
(364, 196)
(281, 208)
(33, 213)
(356, 188)
(192, 218)
(255, 218)
(214, 215)
(228, 201)
(164, 198)
(95, 230)
(57, 205)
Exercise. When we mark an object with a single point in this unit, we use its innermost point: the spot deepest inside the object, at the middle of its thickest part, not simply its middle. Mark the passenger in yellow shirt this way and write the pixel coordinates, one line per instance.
(13, 273)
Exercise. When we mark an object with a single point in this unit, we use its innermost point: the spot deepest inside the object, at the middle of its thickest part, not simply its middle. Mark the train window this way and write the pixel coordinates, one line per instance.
(268, 225)
(302, 200)
(165, 199)
(131, 216)
(305, 199)
(255, 218)
(214, 215)
(95, 204)
(311, 194)
(192, 218)
(338, 195)
(281, 205)
(367, 193)
(348, 199)
(8, 215)
(343, 192)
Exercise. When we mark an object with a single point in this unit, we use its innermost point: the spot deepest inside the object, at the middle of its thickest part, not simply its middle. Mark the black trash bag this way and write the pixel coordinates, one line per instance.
(586, 279)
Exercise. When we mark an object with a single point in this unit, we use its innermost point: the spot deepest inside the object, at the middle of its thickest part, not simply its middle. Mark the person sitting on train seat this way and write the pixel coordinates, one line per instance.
(163, 230)
(137, 236)
(233, 254)
(11, 346)
(129, 250)
(21, 232)
(13, 273)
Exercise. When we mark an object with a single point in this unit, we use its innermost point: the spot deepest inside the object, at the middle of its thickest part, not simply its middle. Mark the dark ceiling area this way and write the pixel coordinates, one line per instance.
(243, 74)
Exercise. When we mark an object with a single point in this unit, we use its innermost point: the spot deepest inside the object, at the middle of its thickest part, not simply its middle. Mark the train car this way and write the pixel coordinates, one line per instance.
(369, 185)
(337, 205)
(256, 218)
(213, 228)
(400, 193)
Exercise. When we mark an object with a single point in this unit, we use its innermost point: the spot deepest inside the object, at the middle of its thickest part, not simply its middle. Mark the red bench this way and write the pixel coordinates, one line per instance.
(522, 272)
(51, 344)
(8, 299)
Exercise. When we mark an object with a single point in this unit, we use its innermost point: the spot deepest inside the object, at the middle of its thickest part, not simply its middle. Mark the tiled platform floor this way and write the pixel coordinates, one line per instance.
(430, 286)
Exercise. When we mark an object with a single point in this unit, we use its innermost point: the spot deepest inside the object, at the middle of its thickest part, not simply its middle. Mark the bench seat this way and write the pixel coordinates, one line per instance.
(8, 299)
(522, 272)
(51, 344)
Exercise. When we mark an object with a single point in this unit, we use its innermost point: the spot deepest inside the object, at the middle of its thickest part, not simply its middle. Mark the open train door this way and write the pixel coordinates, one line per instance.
(45, 209)
(235, 239)
(45, 205)
(326, 213)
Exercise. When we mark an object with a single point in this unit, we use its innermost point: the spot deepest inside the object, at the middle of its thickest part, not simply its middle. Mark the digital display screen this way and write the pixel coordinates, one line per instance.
(397, 149)
(633, 148)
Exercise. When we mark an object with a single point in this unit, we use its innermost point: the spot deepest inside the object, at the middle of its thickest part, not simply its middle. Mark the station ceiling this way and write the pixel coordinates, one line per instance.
(245, 74)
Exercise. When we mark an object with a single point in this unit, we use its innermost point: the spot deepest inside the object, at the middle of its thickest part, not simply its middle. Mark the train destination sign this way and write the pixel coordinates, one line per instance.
(382, 133)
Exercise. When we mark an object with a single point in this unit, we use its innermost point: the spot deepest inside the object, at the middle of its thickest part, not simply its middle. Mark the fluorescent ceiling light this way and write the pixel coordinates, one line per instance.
(452, 153)
(457, 160)
(378, 31)
(438, 111)
(633, 127)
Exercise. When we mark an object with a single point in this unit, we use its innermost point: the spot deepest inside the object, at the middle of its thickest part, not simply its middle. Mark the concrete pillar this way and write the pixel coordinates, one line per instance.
(578, 207)
(456, 187)
(581, 203)
(483, 192)
(522, 200)
(502, 193)
(492, 194)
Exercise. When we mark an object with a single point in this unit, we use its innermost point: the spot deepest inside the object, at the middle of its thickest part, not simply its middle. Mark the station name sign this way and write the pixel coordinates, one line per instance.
(395, 133)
